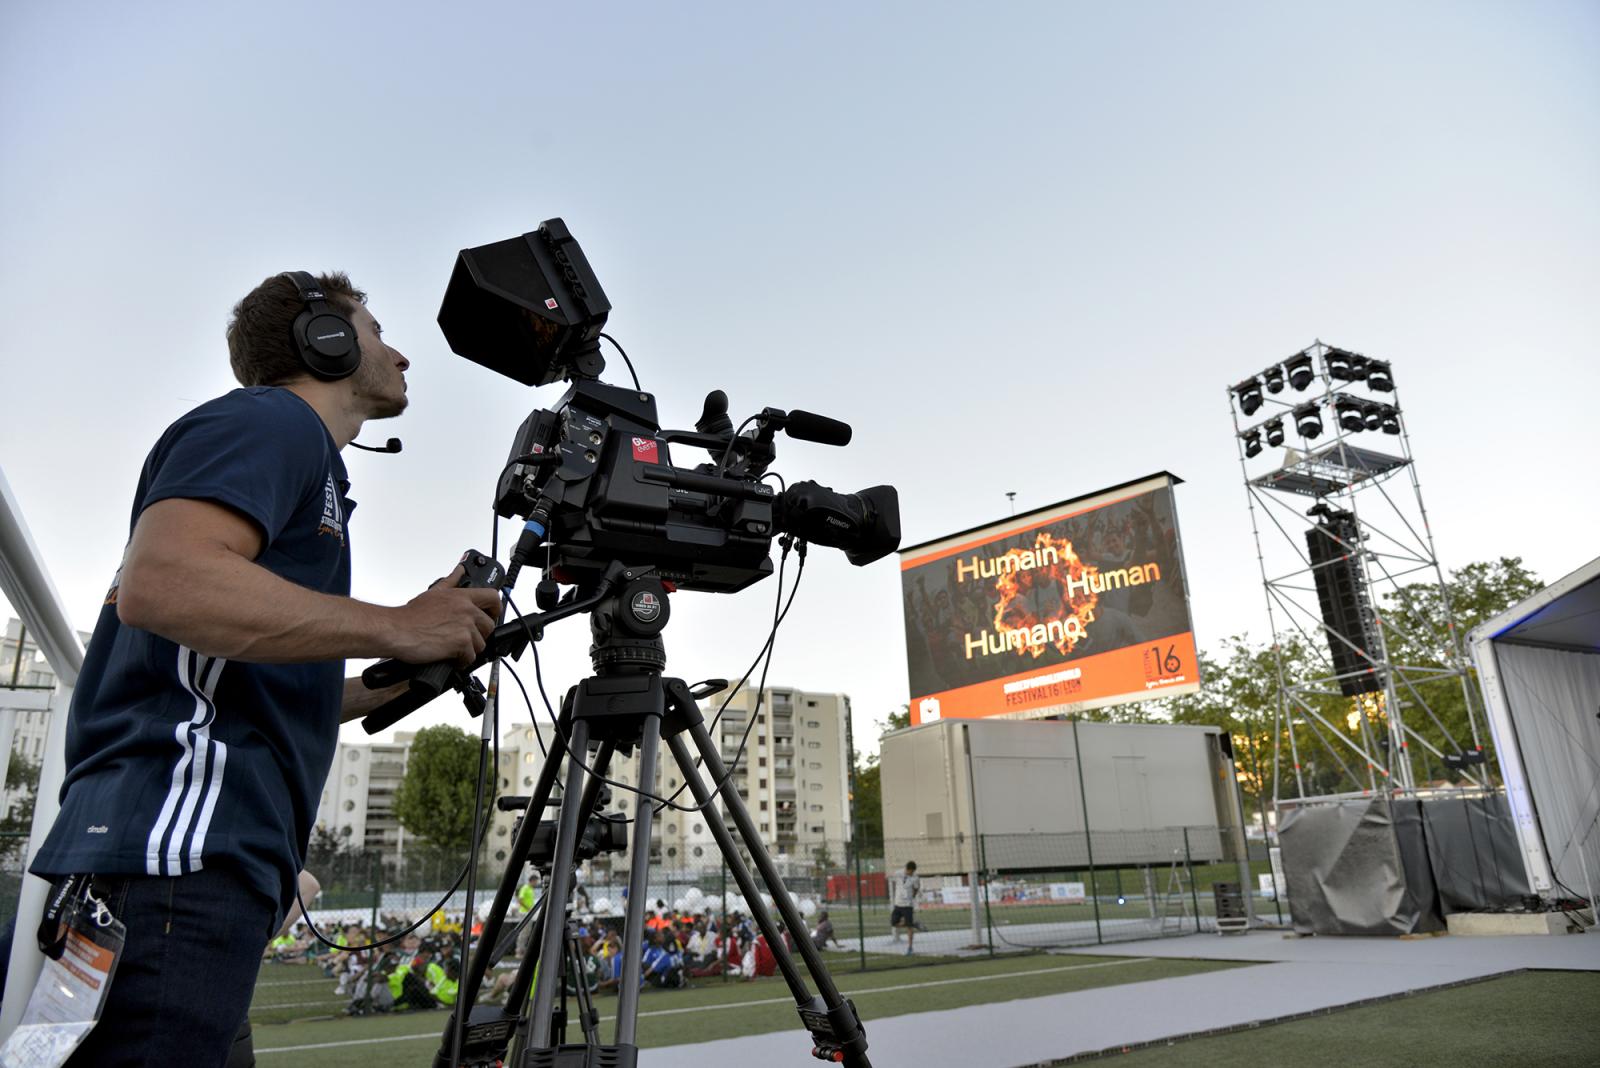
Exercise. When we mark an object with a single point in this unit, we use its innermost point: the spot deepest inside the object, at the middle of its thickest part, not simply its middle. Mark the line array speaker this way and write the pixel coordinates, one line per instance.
(1346, 610)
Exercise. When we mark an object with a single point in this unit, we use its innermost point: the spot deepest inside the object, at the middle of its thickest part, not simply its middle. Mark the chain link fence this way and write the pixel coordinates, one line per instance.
(1001, 894)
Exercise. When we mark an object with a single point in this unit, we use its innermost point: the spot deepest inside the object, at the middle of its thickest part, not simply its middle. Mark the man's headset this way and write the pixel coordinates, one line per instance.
(325, 339)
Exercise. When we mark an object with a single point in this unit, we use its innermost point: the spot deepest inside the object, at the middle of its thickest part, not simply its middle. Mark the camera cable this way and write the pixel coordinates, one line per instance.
(625, 360)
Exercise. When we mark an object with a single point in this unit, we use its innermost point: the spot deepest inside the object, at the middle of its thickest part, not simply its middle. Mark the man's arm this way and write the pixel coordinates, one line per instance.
(358, 700)
(189, 575)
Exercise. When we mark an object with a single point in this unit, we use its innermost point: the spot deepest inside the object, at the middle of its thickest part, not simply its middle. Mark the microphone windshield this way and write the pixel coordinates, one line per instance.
(391, 446)
(808, 426)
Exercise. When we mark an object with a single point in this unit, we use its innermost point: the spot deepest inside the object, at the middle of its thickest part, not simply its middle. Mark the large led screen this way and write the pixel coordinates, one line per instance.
(1075, 606)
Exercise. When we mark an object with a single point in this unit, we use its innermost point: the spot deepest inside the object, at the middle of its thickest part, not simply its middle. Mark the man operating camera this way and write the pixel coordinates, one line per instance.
(208, 709)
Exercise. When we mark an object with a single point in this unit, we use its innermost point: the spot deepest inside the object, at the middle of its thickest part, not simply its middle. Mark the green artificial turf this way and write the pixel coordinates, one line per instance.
(1527, 1020)
(712, 1010)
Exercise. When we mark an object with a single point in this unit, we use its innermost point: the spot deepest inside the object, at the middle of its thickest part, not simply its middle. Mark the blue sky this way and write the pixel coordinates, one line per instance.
(1019, 246)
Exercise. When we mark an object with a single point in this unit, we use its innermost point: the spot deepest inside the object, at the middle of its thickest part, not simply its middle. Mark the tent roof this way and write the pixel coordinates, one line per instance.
(1563, 615)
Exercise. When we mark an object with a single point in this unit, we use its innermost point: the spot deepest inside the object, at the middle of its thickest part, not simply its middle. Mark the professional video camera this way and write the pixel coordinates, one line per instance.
(595, 475)
(609, 514)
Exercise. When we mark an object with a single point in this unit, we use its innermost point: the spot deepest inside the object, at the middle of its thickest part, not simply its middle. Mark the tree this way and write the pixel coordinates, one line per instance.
(898, 720)
(326, 847)
(868, 803)
(22, 781)
(435, 799)
(1417, 634)
(1240, 692)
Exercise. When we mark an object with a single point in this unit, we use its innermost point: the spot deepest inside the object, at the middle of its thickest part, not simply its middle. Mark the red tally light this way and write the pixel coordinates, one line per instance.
(670, 587)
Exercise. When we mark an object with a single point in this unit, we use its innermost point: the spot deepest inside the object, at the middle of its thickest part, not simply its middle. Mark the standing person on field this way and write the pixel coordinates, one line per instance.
(208, 710)
(903, 901)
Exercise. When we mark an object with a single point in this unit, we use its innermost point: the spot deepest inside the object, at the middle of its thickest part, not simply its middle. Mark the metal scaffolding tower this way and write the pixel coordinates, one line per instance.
(1343, 539)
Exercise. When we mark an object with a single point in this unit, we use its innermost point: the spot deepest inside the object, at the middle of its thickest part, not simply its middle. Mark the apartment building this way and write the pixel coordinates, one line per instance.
(27, 696)
(358, 798)
(793, 775)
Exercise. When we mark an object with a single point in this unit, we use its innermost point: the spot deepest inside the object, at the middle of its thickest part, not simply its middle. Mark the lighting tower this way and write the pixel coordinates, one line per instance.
(1345, 533)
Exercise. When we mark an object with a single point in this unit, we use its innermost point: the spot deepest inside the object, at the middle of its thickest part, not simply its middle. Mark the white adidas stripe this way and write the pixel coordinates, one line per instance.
(184, 789)
(219, 762)
(207, 671)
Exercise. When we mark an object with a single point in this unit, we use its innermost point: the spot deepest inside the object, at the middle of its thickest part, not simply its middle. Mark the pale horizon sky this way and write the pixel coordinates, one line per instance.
(1020, 247)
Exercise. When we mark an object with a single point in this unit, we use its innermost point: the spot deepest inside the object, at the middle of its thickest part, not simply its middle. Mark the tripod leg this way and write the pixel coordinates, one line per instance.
(741, 873)
(478, 963)
(588, 1019)
(638, 886)
(561, 876)
(518, 996)
(834, 1025)
(558, 1027)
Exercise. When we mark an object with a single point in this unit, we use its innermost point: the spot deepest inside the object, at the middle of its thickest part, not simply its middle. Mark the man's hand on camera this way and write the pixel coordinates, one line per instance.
(446, 623)
(449, 580)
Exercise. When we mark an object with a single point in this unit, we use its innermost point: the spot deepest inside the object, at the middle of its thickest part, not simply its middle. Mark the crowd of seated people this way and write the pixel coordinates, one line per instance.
(423, 972)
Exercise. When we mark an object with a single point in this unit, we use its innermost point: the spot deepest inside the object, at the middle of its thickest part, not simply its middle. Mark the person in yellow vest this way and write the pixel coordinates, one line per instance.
(399, 965)
(434, 976)
(447, 987)
(416, 979)
(527, 895)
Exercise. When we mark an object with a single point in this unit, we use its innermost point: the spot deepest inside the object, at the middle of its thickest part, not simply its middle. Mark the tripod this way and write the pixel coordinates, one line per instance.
(627, 704)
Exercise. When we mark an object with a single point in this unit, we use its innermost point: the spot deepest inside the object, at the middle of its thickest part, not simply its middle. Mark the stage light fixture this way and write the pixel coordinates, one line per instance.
(1275, 432)
(1308, 421)
(1252, 442)
(1345, 366)
(1372, 414)
(1299, 369)
(1379, 377)
(1249, 394)
(1273, 377)
(1390, 423)
(1349, 411)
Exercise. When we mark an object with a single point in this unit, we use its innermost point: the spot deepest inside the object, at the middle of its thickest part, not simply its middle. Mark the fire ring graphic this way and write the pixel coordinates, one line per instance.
(1022, 591)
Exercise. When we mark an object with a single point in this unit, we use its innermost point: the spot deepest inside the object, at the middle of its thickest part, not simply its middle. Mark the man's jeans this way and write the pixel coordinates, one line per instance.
(183, 984)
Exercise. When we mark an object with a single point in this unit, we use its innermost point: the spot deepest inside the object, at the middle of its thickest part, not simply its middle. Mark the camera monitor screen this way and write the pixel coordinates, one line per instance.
(1075, 606)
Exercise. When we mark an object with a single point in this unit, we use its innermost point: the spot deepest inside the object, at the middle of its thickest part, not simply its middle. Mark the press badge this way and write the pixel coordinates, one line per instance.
(82, 942)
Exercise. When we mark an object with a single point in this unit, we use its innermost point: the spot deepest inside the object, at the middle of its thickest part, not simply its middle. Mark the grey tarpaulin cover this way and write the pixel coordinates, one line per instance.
(1358, 867)
(1473, 849)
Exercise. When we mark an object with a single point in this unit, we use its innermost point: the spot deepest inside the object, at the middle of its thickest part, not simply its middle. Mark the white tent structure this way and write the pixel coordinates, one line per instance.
(1539, 664)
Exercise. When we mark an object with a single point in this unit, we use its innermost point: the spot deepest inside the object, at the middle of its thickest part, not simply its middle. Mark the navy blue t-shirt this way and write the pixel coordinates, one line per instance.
(176, 760)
